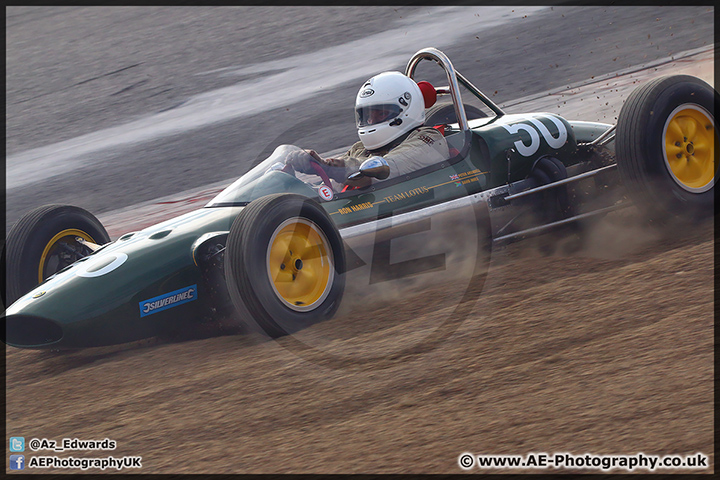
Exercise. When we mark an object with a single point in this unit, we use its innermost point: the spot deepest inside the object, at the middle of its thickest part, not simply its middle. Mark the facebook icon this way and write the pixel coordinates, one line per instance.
(17, 462)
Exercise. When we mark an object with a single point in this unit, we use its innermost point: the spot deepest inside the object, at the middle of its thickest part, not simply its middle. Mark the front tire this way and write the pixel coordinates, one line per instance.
(666, 144)
(285, 263)
(43, 242)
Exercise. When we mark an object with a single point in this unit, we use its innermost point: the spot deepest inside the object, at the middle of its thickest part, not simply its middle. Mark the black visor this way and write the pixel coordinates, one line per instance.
(375, 114)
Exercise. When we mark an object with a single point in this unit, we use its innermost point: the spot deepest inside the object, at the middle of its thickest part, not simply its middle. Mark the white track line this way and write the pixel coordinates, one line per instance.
(320, 71)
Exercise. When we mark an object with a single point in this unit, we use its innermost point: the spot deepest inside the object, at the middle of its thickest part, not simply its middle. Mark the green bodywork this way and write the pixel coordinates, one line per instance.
(106, 309)
(486, 166)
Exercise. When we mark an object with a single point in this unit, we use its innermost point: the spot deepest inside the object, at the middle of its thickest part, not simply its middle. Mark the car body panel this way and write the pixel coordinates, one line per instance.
(148, 282)
(105, 309)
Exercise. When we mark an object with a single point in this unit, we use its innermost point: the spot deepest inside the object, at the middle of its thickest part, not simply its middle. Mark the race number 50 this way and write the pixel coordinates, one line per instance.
(538, 126)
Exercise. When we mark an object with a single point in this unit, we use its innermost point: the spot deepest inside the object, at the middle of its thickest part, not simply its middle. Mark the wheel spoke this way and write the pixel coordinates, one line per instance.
(689, 127)
(693, 169)
(672, 149)
(306, 280)
(283, 276)
(675, 131)
(279, 255)
(292, 289)
(312, 252)
(281, 245)
(308, 276)
(297, 245)
(701, 148)
(677, 164)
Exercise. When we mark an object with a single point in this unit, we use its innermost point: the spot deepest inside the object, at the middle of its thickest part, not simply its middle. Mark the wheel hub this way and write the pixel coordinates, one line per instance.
(62, 250)
(299, 262)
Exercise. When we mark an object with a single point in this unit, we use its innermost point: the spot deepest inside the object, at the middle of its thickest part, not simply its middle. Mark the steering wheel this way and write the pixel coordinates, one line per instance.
(318, 170)
(322, 174)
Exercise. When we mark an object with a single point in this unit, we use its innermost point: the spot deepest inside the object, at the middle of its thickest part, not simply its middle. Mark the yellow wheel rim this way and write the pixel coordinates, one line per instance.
(689, 152)
(300, 264)
(51, 249)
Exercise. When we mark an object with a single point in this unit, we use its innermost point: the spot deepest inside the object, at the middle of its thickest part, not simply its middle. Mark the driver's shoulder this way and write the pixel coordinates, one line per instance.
(429, 135)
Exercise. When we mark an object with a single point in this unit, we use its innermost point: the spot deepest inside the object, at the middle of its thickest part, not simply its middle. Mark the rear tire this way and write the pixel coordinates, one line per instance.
(285, 290)
(40, 244)
(666, 144)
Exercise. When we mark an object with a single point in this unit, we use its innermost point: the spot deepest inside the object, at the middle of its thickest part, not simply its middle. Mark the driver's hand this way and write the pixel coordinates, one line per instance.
(335, 162)
(334, 167)
(300, 161)
(315, 155)
(332, 162)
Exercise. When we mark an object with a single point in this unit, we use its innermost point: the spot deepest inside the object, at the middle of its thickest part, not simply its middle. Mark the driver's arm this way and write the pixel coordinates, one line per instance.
(422, 148)
(339, 168)
(300, 160)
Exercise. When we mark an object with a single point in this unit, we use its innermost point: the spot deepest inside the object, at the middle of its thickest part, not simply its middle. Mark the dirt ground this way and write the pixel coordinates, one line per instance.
(605, 350)
(608, 350)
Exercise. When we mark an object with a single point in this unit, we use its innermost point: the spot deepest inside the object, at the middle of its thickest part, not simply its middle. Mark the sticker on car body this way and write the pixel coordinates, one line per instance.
(168, 300)
(529, 150)
(326, 193)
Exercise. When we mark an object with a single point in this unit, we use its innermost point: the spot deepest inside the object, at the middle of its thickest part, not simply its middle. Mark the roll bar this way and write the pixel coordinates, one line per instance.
(453, 76)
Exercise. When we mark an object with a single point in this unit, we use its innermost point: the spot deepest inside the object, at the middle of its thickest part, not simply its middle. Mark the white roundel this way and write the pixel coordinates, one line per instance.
(326, 193)
(101, 265)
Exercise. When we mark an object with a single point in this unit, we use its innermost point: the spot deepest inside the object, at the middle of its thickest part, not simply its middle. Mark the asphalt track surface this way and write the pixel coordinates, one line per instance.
(73, 72)
(607, 350)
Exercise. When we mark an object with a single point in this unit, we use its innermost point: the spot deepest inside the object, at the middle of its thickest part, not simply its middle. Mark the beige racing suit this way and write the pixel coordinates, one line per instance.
(424, 146)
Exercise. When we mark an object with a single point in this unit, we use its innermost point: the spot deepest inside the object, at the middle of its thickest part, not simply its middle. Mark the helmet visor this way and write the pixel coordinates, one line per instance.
(375, 114)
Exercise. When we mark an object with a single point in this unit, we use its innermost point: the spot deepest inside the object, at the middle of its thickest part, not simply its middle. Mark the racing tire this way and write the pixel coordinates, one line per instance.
(43, 242)
(284, 290)
(444, 113)
(666, 143)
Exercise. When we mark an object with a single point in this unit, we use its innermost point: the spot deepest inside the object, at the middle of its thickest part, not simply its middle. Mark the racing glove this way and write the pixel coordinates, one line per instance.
(300, 160)
(337, 169)
(340, 168)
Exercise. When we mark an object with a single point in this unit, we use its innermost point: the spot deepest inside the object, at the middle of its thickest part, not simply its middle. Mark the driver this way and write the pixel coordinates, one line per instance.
(389, 113)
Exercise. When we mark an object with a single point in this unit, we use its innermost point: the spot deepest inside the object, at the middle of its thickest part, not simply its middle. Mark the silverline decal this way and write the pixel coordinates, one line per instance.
(168, 300)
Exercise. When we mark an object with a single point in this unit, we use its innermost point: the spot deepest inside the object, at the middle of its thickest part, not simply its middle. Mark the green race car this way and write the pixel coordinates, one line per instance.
(275, 247)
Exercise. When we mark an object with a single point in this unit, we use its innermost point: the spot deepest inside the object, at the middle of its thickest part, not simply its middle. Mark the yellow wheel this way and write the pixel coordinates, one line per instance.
(284, 264)
(43, 242)
(300, 264)
(689, 153)
(62, 248)
(666, 143)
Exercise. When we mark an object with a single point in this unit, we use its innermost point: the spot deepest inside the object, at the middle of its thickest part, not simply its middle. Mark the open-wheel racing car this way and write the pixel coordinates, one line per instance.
(273, 246)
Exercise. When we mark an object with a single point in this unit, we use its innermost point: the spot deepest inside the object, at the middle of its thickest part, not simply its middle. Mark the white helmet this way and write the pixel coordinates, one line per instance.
(387, 106)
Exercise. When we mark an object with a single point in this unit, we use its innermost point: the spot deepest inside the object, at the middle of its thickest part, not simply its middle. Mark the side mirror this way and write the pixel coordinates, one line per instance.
(375, 167)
